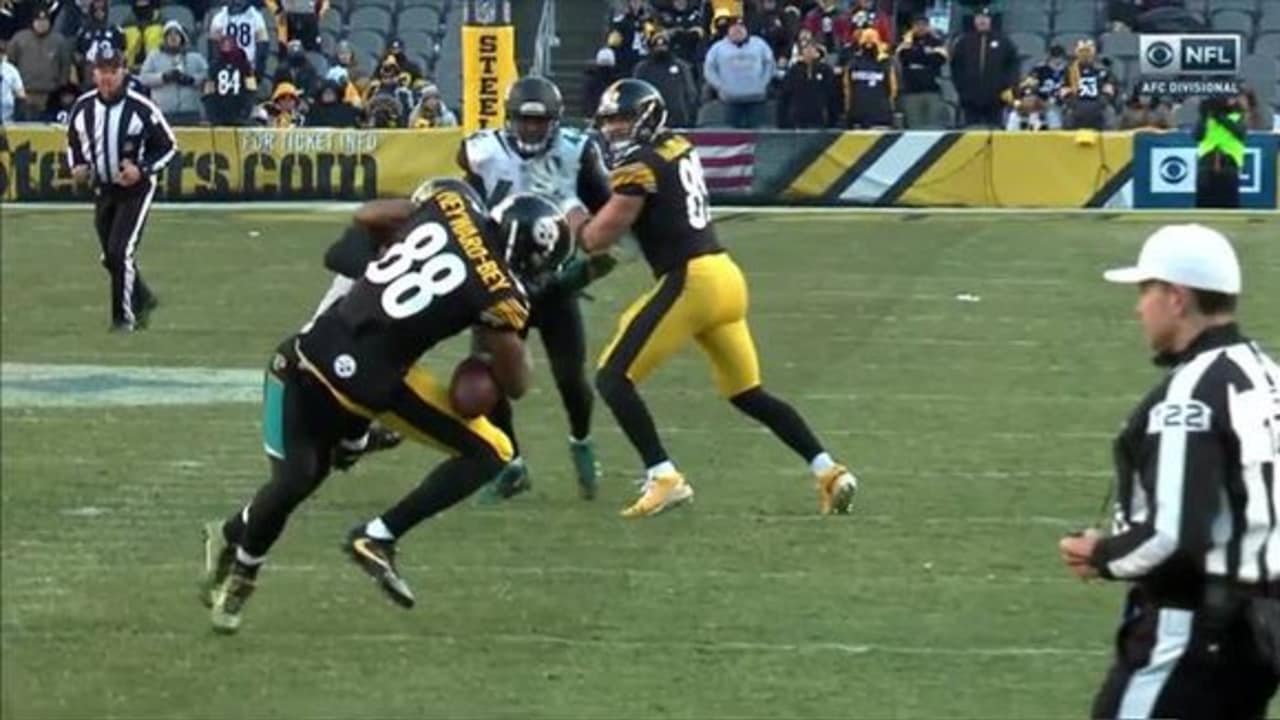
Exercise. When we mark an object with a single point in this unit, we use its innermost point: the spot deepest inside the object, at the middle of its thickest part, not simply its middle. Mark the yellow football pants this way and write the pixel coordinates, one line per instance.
(705, 301)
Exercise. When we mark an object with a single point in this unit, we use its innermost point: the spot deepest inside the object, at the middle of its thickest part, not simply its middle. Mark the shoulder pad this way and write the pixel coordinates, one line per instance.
(482, 145)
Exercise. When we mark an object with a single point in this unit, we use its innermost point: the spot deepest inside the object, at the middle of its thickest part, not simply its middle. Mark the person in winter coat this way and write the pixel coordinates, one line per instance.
(870, 84)
(810, 96)
(176, 76)
(674, 80)
(984, 67)
(431, 111)
(921, 57)
(42, 57)
(330, 110)
(739, 69)
(298, 70)
(603, 73)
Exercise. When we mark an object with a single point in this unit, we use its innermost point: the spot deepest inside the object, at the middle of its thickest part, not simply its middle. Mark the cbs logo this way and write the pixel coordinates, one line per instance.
(1160, 54)
(1173, 169)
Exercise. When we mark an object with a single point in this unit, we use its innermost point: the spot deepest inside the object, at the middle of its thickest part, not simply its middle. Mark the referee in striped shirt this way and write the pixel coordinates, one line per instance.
(1195, 528)
(118, 140)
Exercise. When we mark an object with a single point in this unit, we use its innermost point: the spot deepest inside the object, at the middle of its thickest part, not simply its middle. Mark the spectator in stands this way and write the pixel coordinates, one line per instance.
(58, 107)
(1028, 113)
(921, 57)
(245, 24)
(431, 111)
(176, 76)
(392, 83)
(863, 14)
(344, 56)
(832, 26)
(95, 30)
(768, 26)
(331, 110)
(42, 56)
(384, 112)
(348, 91)
(720, 23)
(674, 80)
(302, 21)
(144, 34)
(231, 85)
(600, 75)
(870, 84)
(984, 67)
(738, 69)
(298, 70)
(685, 25)
(395, 50)
(285, 110)
(1090, 90)
(810, 95)
(1047, 80)
(1142, 112)
(634, 23)
(803, 38)
(12, 94)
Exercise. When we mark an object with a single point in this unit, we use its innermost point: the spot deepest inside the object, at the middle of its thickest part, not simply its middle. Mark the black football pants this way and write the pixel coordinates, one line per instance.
(119, 216)
(1176, 663)
(558, 318)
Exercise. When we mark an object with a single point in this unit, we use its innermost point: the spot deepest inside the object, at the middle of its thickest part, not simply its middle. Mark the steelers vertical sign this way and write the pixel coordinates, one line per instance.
(488, 69)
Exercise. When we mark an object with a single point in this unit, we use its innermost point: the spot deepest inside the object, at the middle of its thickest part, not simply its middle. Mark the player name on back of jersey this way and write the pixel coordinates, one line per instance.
(491, 273)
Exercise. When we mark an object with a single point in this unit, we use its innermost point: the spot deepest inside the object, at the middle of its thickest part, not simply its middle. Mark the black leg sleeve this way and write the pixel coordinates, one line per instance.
(781, 418)
(451, 482)
(633, 416)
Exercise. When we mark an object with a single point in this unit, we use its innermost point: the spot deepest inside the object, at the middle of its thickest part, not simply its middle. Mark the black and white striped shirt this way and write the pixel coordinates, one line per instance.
(1197, 466)
(102, 134)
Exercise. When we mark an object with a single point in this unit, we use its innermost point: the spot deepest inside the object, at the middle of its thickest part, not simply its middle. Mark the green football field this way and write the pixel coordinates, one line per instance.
(972, 369)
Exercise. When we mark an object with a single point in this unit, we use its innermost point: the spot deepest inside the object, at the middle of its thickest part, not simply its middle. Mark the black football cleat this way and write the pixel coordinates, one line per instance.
(377, 558)
(142, 315)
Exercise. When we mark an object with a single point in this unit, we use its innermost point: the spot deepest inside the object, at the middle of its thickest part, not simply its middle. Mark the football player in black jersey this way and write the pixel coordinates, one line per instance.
(659, 193)
(445, 271)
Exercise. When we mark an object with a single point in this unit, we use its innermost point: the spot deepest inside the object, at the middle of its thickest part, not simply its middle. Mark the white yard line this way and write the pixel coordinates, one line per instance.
(718, 646)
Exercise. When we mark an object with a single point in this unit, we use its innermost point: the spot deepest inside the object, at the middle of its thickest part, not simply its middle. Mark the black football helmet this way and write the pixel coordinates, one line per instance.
(430, 188)
(534, 108)
(533, 235)
(631, 113)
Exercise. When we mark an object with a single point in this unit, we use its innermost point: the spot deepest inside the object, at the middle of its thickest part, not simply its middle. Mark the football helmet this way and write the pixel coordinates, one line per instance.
(631, 113)
(534, 107)
(533, 236)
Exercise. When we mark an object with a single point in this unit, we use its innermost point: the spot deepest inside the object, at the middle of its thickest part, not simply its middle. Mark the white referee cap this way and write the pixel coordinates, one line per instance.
(1191, 255)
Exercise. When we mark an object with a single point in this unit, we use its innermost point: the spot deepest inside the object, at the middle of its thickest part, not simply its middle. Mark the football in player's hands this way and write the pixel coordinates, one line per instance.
(473, 391)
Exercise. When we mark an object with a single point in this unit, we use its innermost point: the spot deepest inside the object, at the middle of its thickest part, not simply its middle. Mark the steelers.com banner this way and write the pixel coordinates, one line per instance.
(247, 163)
(488, 69)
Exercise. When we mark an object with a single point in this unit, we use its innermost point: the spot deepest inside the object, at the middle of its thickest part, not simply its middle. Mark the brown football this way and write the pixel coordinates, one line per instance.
(473, 391)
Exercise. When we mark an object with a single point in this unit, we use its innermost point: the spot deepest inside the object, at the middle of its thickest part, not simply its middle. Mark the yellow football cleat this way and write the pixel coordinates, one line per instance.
(662, 493)
(836, 488)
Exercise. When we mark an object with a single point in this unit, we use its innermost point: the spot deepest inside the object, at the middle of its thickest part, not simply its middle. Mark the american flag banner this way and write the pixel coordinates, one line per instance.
(728, 159)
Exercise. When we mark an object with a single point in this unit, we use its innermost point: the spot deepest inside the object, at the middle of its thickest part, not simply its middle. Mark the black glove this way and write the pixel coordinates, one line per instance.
(171, 76)
(184, 79)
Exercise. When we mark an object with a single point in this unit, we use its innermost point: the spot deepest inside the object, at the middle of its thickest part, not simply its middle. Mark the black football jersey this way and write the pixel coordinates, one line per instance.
(1090, 80)
(441, 278)
(675, 224)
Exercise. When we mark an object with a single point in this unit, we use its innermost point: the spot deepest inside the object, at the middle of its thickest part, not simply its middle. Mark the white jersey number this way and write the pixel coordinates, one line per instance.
(408, 292)
(695, 189)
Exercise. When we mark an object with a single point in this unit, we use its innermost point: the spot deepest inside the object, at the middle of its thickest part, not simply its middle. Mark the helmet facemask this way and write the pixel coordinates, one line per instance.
(532, 128)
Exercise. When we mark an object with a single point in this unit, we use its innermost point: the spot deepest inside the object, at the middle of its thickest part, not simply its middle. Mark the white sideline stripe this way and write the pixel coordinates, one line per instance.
(728, 646)
(346, 207)
(901, 156)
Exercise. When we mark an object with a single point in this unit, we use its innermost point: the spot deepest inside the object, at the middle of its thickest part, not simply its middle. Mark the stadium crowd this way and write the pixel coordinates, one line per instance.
(244, 62)
(880, 64)
(916, 64)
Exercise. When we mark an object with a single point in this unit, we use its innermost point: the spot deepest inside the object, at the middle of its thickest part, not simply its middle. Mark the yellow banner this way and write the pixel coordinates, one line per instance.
(248, 163)
(488, 69)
